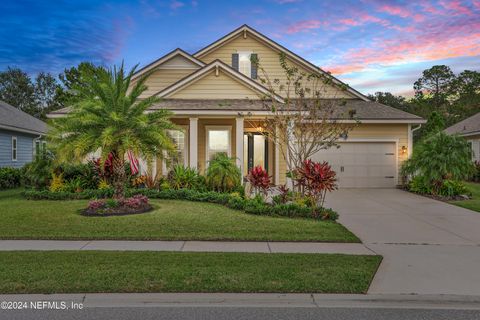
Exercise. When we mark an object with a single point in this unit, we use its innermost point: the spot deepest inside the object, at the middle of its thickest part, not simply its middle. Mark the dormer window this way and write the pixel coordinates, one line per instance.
(242, 62)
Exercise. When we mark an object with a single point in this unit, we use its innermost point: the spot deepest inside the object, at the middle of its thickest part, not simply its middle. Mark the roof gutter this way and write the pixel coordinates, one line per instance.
(10, 128)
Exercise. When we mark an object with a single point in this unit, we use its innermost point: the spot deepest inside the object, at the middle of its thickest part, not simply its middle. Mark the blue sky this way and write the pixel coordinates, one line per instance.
(372, 45)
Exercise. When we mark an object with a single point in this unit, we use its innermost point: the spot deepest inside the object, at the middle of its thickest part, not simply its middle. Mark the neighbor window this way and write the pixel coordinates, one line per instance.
(218, 141)
(14, 148)
(179, 138)
(244, 63)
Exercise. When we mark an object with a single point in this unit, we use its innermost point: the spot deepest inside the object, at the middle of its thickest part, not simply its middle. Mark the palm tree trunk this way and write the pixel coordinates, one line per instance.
(118, 176)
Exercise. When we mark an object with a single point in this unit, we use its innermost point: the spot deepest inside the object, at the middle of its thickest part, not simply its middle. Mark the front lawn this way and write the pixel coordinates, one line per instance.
(107, 271)
(474, 203)
(171, 220)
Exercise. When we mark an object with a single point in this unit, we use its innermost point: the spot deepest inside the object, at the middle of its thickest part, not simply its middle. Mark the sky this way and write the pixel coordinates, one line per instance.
(372, 45)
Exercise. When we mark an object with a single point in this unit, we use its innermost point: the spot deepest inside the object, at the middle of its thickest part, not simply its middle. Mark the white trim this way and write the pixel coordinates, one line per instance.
(276, 46)
(207, 144)
(193, 143)
(410, 141)
(15, 129)
(373, 140)
(239, 131)
(165, 58)
(204, 71)
(476, 133)
(14, 159)
(277, 159)
(184, 129)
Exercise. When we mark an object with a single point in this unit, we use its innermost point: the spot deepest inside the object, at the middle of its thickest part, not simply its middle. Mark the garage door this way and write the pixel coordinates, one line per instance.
(362, 164)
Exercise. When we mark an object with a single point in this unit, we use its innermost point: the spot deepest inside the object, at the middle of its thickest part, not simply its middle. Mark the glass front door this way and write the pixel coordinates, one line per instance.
(255, 146)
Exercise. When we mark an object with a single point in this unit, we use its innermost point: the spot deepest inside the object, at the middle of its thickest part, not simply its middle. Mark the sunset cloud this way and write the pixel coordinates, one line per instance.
(304, 25)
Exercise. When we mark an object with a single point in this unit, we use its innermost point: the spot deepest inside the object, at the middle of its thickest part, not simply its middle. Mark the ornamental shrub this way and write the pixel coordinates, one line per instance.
(259, 179)
(316, 179)
(223, 174)
(440, 157)
(10, 178)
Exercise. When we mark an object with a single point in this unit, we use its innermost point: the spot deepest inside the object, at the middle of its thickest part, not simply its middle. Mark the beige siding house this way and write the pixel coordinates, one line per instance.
(214, 96)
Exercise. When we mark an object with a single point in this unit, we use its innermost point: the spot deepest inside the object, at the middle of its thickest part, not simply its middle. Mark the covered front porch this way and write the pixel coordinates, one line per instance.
(200, 138)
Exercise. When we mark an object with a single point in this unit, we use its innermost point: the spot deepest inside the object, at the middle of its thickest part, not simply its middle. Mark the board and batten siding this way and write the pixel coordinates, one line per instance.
(369, 132)
(212, 86)
(269, 60)
(24, 148)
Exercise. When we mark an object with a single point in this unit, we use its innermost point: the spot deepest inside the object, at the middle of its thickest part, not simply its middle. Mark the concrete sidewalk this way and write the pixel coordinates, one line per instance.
(187, 246)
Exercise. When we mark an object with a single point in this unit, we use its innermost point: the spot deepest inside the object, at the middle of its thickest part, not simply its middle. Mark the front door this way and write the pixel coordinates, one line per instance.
(255, 146)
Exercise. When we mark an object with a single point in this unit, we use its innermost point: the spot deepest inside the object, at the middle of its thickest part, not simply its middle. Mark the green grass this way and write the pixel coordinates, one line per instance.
(171, 220)
(107, 271)
(474, 203)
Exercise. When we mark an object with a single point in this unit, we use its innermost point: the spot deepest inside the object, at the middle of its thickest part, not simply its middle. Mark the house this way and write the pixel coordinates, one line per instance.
(20, 136)
(470, 129)
(214, 96)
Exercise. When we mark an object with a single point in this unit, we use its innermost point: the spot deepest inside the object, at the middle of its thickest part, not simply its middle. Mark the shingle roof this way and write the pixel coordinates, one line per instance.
(366, 110)
(468, 126)
(363, 109)
(16, 120)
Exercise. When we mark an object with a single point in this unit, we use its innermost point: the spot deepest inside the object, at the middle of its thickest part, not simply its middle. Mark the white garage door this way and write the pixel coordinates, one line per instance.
(362, 164)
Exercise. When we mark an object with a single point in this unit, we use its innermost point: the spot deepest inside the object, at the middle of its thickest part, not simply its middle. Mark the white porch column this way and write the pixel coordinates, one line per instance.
(193, 141)
(239, 125)
(276, 178)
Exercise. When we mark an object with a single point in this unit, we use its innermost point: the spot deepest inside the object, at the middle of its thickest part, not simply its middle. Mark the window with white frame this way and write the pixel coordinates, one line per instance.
(179, 138)
(244, 63)
(218, 141)
(14, 148)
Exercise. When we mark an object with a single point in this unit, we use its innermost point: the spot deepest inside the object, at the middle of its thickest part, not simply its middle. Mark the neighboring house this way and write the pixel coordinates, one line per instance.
(20, 136)
(214, 95)
(470, 130)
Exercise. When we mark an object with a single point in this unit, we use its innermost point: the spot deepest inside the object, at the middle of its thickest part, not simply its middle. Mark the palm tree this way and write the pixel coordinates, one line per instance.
(222, 173)
(108, 115)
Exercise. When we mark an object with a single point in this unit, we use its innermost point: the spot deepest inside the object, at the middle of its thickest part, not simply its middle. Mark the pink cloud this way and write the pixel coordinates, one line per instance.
(349, 22)
(459, 38)
(402, 12)
(176, 4)
(304, 26)
(456, 6)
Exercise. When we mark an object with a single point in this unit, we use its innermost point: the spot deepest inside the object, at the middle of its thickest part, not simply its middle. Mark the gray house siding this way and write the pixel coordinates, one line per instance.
(24, 148)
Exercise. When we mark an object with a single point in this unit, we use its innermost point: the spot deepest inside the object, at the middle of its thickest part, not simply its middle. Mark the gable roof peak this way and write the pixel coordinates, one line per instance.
(278, 47)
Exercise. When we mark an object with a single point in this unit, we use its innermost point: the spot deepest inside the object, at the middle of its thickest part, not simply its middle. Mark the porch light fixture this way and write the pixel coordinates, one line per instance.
(404, 150)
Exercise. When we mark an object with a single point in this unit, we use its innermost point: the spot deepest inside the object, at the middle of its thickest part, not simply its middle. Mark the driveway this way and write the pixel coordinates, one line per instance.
(429, 247)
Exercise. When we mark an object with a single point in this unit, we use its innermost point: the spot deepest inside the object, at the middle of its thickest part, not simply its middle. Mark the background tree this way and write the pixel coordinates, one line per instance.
(36, 97)
(391, 100)
(71, 79)
(306, 122)
(108, 116)
(435, 84)
(16, 89)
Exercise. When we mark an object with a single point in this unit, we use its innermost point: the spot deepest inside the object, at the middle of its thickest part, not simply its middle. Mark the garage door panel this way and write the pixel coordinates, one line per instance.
(365, 164)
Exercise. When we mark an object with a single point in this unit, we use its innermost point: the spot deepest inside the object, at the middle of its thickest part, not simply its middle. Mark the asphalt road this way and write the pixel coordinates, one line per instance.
(242, 313)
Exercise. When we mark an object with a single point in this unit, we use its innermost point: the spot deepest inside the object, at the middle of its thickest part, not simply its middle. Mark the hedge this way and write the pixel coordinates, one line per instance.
(252, 206)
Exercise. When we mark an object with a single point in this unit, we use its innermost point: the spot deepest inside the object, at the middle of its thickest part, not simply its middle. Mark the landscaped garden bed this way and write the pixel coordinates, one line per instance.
(107, 271)
(112, 207)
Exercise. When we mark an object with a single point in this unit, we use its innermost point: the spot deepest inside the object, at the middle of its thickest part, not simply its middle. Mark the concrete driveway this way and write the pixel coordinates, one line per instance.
(429, 247)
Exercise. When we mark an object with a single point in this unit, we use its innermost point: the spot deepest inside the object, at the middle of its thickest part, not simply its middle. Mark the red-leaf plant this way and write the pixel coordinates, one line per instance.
(316, 179)
(259, 179)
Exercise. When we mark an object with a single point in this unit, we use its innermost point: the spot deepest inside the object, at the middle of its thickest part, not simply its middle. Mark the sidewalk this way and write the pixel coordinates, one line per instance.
(190, 246)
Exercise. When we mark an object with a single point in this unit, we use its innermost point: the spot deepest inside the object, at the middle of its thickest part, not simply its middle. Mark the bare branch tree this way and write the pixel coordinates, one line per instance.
(312, 116)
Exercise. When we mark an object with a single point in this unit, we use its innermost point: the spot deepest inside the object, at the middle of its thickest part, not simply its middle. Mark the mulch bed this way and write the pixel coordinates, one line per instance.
(117, 211)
